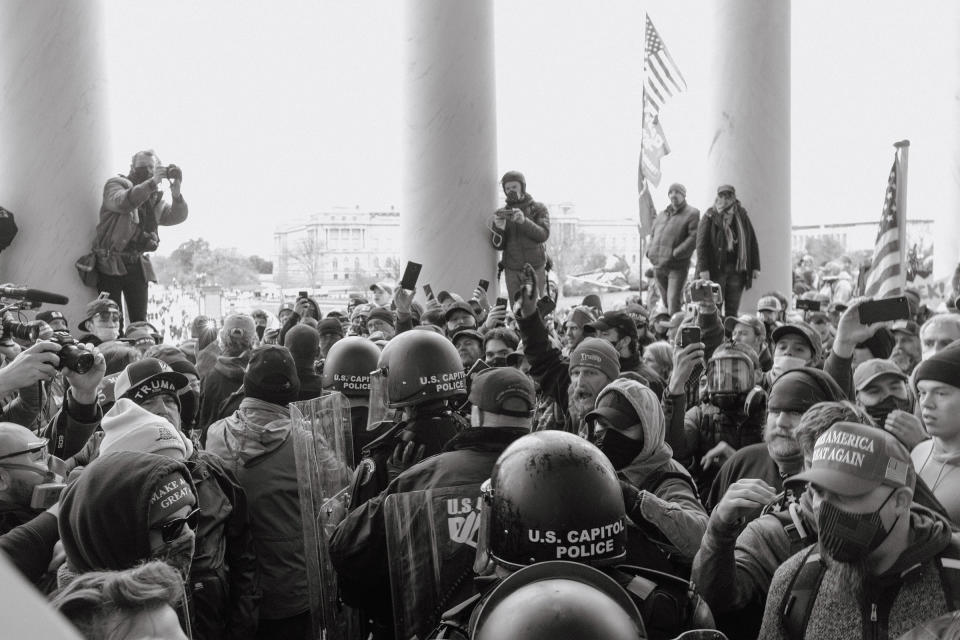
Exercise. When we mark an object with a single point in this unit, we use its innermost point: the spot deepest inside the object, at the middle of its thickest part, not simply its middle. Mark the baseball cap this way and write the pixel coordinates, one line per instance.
(51, 316)
(240, 325)
(149, 377)
(592, 300)
(724, 188)
(869, 370)
(466, 331)
(271, 375)
(503, 390)
(900, 326)
(818, 317)
(101, 305)
(382, 286)
(618, 320)
(730, 323)
(458, 306)
(580, 316)
(851, 459)
(616, 409)
(801, 329)
(445, 297)
(769, 303)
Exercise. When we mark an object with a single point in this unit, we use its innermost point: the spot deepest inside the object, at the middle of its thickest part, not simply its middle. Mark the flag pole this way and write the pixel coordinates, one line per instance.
(903, 149)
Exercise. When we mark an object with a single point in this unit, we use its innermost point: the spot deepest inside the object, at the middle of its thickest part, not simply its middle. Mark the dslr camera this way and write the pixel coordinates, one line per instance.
(72, 355)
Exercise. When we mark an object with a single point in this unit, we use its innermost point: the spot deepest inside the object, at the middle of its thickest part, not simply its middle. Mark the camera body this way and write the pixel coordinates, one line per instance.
(174, 172)
(72, 355)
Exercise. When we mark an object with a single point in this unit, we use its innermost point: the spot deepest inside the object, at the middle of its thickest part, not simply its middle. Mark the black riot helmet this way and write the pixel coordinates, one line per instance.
(557, 600)
(554, 496)
(421, 366)
(348, 366)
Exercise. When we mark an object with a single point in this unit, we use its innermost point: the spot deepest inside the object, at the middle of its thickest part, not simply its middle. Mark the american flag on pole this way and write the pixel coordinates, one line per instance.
(886, 276)
(662, 80)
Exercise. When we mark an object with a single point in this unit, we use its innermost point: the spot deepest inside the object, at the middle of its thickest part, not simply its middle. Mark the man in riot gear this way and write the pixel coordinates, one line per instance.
(729, 416)
(502, 401)
(347, 370)
(554, 496)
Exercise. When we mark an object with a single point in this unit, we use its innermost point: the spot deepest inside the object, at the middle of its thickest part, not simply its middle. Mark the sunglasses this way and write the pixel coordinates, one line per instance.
(108, 316)
(171, 529)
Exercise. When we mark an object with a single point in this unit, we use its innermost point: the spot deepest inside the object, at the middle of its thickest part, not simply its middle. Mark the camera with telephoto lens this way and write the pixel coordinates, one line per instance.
(72, 355)
(26, 331)
(174, 172)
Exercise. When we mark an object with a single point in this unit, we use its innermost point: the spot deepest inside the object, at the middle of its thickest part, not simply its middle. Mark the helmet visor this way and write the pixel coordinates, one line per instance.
(729, 375)
(379, 398)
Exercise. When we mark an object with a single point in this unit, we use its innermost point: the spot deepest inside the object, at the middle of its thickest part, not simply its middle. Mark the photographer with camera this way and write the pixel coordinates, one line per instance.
(133, 207)
(520, 230)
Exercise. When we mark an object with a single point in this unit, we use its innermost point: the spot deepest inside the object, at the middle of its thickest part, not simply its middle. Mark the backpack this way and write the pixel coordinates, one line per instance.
(802, 592)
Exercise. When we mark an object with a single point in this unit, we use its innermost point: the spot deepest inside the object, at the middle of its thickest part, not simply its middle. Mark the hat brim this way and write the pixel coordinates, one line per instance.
(836, 481)
(178, 380)
(596, 326)
(880, 374)
(618, 419)
(787, 330)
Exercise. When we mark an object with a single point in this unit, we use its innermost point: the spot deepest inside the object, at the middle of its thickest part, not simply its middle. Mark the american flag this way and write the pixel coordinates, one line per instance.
(886, 271)
(662, 79)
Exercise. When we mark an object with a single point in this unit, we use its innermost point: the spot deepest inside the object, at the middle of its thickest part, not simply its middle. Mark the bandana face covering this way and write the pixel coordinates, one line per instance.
(851, 537)
(618, 448)
(881, 410)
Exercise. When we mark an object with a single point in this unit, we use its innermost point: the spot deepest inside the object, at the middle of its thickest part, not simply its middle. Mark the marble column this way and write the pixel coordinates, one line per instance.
(750, 128)
(450, 179)
(53, 141)
(946, 243)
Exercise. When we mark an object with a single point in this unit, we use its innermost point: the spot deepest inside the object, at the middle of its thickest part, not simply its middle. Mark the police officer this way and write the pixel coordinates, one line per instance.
(347, 369)
(555, 496)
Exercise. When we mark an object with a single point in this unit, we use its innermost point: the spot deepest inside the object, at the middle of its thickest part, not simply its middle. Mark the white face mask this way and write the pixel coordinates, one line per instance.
(782, 364)
(106, 334)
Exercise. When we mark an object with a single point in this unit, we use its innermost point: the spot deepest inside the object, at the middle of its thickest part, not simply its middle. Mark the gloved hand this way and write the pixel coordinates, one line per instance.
(404, 456)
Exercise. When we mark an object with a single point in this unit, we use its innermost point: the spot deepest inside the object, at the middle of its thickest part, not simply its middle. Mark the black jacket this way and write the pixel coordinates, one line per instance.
(711, 244)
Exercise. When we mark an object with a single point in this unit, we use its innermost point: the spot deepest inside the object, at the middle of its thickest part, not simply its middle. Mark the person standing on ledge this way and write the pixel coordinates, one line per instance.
(727, 249)
(520, 230)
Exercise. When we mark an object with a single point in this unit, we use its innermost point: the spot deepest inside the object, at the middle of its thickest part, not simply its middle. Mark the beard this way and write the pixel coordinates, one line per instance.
(580, 403)
(850, 575)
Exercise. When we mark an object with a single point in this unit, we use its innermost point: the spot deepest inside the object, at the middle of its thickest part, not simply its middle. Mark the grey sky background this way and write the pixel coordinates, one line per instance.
(279, 110)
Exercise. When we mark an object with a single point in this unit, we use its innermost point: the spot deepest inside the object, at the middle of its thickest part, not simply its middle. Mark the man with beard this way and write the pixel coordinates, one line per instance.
(578, 318)
(878, 569)
(620, 330)
(133, 207)
(778, 456)
(672, 244)
(520, 230)
(469, 344)
(627, 425)
(907, 349)
(23, 466)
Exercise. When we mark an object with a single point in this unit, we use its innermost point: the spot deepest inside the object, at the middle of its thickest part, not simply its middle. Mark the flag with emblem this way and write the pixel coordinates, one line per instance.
(887, 275)
(662, 80)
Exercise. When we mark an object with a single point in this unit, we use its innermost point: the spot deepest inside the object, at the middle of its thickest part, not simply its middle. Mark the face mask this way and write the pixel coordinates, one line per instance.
(881, 410)
(498, 361)
(140, 175)
(106, 334)
(179, 554)
(618, 448)
(732, 402)
(512, 197)
(851, 537)
(782, 364)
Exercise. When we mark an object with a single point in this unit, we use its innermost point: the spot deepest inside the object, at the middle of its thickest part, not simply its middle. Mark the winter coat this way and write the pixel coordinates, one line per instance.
(674, 237)
(118, 226)
(548, 367)
(525, 241)
(255, 444)
(70, 430)
(903, 597)
(225, 378)
(711, 244)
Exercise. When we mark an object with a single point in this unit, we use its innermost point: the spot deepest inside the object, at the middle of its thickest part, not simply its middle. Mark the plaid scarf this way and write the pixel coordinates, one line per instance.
(735, 241)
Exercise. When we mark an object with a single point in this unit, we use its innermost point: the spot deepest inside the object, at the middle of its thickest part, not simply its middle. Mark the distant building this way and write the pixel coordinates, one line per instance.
(337, 248)
(856, 236)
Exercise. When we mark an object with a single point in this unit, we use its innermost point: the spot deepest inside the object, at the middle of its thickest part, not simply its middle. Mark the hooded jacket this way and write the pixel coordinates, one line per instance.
(225, 378)
(254, 442)
(670, 505)
(105, 515)
(907, 594)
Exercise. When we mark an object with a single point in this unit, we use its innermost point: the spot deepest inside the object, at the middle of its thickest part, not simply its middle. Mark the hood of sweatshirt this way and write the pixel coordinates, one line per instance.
(930, 534)
(105, 514)
(232, 366)
(255, 429)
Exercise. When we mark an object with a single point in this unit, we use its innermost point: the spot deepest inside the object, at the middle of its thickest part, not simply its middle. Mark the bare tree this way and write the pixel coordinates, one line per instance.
(307, 255)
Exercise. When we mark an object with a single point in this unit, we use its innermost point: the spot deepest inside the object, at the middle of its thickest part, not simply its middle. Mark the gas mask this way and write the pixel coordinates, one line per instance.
(728, 380)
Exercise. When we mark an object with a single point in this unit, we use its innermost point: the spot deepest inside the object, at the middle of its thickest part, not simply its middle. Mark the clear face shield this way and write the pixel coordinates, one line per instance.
(728, 380)
(379, 398)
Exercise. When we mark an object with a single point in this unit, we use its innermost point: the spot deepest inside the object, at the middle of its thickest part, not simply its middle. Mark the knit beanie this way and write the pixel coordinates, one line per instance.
(382, 313)
(272, 376)
(171, 494)
(799, 389)
(303, 342)
(943, 366)
(130, 427)
(598, 354)
(676, 186)
(580, 316)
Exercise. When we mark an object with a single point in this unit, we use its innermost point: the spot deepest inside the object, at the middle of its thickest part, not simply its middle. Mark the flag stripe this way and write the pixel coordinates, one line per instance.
(886, 271)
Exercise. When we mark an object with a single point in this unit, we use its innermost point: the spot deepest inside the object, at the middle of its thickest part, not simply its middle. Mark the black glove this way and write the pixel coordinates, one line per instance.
(404, 456)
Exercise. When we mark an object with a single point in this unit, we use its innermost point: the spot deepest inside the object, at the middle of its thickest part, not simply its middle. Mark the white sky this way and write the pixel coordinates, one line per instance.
(278, 110)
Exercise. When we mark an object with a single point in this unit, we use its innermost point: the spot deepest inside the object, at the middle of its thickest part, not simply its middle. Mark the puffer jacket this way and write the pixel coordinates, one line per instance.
(524, 242)
(255, 444)
(674, 237)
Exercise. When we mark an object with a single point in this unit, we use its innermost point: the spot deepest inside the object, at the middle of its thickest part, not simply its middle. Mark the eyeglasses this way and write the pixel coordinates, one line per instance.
(171, 529)
(108, 316)
(39, 446)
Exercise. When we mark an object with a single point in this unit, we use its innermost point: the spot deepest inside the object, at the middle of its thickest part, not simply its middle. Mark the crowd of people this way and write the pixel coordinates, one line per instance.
(512, 470)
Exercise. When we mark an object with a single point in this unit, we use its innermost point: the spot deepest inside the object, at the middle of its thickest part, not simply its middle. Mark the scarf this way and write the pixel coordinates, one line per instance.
(736, 240)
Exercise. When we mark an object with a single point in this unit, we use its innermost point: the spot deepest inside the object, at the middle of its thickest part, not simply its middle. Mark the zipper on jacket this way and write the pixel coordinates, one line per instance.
(873, 619)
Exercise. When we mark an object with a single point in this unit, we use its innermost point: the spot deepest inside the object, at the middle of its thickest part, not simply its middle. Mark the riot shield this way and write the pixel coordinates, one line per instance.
(431, 543)
(323, 443)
